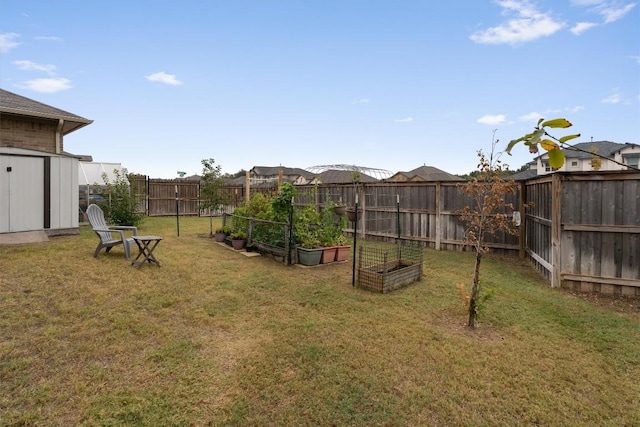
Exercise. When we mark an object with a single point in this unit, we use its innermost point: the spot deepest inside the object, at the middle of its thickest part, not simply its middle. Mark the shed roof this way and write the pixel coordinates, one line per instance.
(11, 103)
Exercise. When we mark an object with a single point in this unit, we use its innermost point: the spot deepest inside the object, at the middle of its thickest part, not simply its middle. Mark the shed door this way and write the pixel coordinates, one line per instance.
(21, 193)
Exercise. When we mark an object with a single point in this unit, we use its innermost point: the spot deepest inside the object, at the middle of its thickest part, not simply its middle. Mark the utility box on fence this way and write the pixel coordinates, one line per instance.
(383, 269)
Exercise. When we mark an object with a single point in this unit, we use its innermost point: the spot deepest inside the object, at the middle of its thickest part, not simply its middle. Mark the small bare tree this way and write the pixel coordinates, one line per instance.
(487, 216)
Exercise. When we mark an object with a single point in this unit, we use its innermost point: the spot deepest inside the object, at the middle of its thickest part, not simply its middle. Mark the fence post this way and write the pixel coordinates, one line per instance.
(355, 244)
(363, 203)
(247, 184)
(523, 220)
(398, 216)
(556, 229)
(177, 211)
(438, 209)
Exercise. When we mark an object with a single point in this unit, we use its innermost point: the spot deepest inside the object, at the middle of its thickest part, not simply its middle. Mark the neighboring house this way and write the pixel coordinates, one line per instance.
(584, 160)
(424, 173)
(38, 179)
(268, 174)
(532, 172)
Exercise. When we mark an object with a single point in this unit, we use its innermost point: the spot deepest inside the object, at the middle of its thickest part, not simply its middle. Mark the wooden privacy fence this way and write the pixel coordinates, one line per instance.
(157, 197)
(581, 232)
(420, 211)
(584, 231)
(165, 197)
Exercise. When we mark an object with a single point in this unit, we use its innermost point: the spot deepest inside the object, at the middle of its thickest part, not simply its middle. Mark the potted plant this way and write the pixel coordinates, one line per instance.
(309, 251)
(330, 231)
(351, 213)
(307, 227)
(328, 248)
(339, 208)
(222, 232)
(238, 239)
(342, 248)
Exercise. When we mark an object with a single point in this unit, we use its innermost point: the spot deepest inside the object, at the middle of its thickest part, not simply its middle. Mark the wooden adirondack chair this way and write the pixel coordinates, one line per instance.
(110, 236)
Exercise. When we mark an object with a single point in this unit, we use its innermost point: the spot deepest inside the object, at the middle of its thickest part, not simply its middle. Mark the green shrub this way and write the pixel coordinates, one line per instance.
(122, 206)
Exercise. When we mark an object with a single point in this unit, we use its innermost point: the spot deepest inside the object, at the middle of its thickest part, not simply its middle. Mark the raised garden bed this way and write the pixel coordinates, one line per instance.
(385, 278)
(383, 270)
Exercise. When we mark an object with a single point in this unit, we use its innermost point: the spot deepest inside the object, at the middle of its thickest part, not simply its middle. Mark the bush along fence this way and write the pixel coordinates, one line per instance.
(582, 231)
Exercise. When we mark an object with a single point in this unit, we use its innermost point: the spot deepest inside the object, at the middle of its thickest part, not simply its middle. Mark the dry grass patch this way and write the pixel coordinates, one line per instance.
(215, 338)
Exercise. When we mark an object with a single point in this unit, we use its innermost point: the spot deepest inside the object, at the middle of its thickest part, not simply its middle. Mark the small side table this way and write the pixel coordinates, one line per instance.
(146, 246)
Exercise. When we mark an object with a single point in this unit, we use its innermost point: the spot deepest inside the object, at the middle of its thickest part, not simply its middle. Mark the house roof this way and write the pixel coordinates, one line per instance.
(603, 148)
(11, 103)
(524, 175)
(335, 176)
(427, 173)
(265, 171)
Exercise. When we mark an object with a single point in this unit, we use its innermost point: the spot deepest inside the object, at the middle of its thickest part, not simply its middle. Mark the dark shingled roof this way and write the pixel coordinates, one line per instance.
(11, 103)
(524, 175)
(429, 173)
(264, 171)
(604, 148)
(335, 176)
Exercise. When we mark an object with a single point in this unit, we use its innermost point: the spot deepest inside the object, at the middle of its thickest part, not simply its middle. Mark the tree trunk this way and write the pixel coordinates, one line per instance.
(475, 290)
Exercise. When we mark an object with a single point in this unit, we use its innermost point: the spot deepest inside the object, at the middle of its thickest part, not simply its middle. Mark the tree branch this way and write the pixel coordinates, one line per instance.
(574, 148)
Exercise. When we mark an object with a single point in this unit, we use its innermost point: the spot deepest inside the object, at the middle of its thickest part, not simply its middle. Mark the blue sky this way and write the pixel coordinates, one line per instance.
(382, 84)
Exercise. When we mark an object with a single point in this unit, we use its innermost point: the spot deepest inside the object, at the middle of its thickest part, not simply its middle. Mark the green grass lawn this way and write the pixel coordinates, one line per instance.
(216, 338)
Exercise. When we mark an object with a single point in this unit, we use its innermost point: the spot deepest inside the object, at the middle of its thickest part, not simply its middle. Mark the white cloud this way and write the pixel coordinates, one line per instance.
(32, 66)
(581, 27)
(492, 120)
(7, 42)
(614, 98)
(163, 77)
(47, 85)
(614, 12)
(576, 108)
(49, 38)
(530, 117)
(637, 58)
(610, 10)
(528, 24)
(586, 2)
(362, 101)
(405, 120)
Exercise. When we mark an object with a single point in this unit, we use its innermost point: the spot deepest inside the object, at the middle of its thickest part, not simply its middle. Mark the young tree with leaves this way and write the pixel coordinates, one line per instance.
(212, 195)
(122, 206)
(485, 217)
